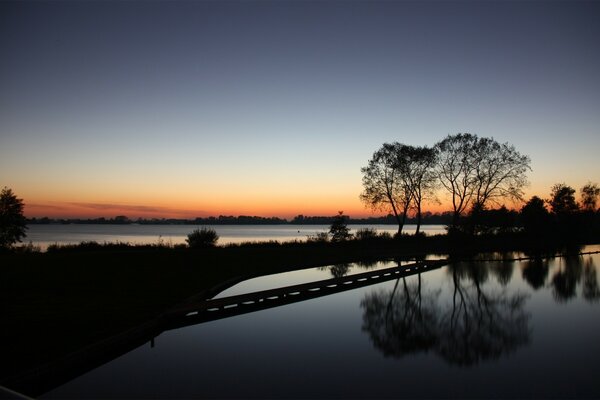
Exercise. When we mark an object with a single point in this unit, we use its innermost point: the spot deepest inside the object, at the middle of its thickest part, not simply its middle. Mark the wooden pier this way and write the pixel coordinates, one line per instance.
(213, 309)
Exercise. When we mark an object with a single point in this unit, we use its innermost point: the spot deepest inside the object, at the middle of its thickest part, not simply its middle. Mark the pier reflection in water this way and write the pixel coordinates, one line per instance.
(476, 329)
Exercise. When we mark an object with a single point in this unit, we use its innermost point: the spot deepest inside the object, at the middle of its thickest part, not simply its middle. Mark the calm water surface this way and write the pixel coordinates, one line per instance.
(476, 329)
(45, 235)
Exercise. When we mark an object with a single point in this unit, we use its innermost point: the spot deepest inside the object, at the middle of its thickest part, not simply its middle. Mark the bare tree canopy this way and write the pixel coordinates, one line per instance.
(500, 172)
(456, 169)
(384, 186)
(480, 171)
(421, 177)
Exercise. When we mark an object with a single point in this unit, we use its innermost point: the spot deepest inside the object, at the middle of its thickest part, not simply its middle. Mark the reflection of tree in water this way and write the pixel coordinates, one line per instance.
(399, 321)
(338, 270)
(564, 281)
(476, 326)
(503, 270)
(341, 270)
(366, 264)
(535, 272)
(482, 325)
(590, 290)
(575, 269)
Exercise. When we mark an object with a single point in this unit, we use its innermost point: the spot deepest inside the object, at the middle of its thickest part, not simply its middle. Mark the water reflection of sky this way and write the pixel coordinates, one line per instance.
(45, 235)
(358, 343)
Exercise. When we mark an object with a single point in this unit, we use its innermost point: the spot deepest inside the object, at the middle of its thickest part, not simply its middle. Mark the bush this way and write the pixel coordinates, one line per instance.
(365, 234)
(320, 237)
(385, 235)
(28, 248)
(203, 237)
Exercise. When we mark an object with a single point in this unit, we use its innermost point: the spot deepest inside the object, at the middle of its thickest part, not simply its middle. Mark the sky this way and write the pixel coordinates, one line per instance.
(197, 108)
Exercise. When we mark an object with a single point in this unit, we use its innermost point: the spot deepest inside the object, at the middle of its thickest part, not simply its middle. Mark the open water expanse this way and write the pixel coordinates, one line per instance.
(45, 235)
(508, 329)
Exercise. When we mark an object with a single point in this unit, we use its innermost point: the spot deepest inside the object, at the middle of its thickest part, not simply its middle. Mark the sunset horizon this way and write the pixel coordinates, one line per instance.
(169, 109)
(356, 209)
(299, 199)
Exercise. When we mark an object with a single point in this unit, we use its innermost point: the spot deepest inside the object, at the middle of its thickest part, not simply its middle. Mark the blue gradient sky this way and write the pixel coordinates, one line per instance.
(206, 108)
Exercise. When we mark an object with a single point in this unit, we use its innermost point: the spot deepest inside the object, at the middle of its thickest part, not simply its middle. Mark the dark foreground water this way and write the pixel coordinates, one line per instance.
(478, 329)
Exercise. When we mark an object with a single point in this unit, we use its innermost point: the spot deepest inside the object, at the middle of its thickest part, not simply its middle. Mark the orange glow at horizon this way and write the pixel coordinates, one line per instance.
(55, 209)
(189, 205)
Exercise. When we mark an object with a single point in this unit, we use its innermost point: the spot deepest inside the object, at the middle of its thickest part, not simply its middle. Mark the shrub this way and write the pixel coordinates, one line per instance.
(320, 237)
(365, 234)
(203, 237)
(385, 235)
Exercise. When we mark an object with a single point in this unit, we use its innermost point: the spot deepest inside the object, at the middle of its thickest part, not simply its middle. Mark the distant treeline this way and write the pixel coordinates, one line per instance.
(428, 218)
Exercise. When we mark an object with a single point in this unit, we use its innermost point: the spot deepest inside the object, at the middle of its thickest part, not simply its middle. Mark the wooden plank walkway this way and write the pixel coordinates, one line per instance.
(214, 309)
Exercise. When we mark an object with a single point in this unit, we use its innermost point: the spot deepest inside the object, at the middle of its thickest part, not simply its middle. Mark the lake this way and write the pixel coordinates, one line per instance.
(509, 329)
(45, 235)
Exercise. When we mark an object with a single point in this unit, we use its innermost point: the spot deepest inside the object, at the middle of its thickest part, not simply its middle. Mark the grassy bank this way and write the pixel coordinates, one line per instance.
(56, 303)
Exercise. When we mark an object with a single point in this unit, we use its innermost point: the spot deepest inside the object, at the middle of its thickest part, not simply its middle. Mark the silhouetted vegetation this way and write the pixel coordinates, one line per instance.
(479, 171)
(203, 237)
(385, 183)
(476, 172)
(535, 218)
(365, 234)
(12, 221)
(339, 230)
(589, 196)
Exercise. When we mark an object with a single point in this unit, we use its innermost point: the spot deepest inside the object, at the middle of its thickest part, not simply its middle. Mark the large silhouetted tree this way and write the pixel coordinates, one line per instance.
(385, 188)
(500, 172)
(456, 170)
(479, 171)
(418, 170)
(12, 220)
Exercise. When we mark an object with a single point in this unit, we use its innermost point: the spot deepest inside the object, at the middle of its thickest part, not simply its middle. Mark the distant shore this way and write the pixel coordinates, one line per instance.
(428, 219)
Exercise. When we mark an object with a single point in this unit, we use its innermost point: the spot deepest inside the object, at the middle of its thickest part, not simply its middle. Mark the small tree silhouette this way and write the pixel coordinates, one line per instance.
(339, 229)
(562, 199)
(589, 196)
(535, 217)
(12, 221)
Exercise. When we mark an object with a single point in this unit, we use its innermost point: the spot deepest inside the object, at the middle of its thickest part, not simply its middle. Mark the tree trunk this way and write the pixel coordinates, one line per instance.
(419, 217)
(455, 217)
(400, 222)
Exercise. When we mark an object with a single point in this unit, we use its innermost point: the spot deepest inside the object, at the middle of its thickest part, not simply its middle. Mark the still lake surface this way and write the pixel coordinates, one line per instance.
(473, 329)
(45, 235)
